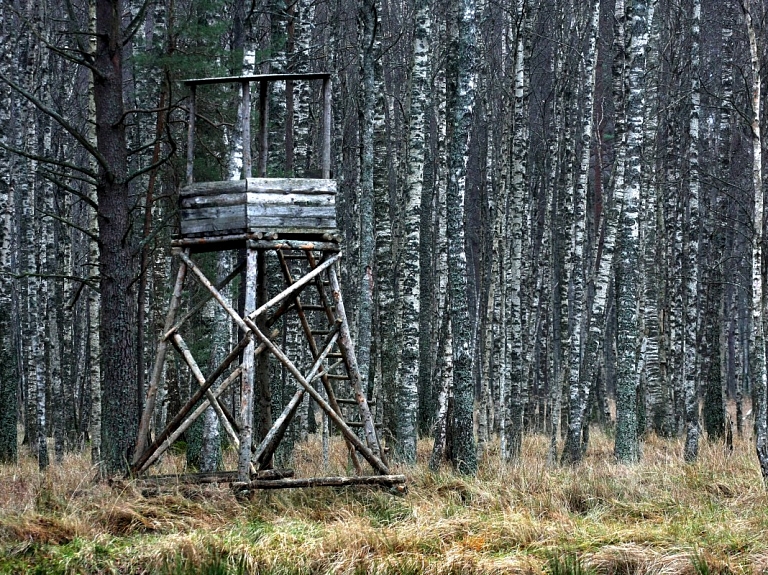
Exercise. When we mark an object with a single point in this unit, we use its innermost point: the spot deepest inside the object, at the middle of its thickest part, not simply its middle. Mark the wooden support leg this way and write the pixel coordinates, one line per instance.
(198, 375)
(157, 371)
(371, 457)
(348, 351)
(274, 436)
(187, 422)
(198, 395)
(247, 379)
(263, 389)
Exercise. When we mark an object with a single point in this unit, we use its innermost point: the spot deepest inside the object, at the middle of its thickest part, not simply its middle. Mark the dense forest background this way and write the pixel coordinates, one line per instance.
(553, 212)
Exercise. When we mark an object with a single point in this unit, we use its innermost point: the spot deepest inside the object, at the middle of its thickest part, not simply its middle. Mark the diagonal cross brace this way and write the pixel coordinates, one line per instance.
(373, 459)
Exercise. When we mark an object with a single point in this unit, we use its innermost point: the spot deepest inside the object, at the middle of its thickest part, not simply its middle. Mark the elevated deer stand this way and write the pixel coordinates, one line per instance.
(296, 219)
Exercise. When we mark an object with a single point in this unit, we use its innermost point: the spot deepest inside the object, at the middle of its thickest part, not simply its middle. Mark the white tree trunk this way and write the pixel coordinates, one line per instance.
(690, 368)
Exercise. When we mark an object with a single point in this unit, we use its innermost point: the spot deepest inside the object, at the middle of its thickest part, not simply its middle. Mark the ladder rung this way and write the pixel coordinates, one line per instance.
(334, 376)
(359, 424)
(335, 354)
(352, 401)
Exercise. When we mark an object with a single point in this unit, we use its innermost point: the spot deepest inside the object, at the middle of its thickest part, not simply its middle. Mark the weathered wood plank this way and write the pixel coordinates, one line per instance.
(290, 211)
(292, 185)
(291, 198)
(258, 198)
(208, 188)
(205, 201)
(213, 477)
(386, 480)
(264, 223)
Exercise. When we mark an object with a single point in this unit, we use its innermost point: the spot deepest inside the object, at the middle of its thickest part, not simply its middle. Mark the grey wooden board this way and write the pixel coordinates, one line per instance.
(262, 198)
(261, 185)
(279, 205)
(266, 223)
(233, 199)
(212, 188)
(292, 185)
(294, 211)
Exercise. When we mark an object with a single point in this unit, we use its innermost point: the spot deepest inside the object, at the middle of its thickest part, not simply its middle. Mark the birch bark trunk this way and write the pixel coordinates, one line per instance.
(757, 354)
(578, 382)
(364, 272)
(410, 272)
(463, 455)
(691, 281)
(627, 445)
(8, 364)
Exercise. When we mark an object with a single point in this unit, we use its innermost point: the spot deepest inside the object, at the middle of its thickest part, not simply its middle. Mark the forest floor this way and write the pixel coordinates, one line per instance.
(660, 516)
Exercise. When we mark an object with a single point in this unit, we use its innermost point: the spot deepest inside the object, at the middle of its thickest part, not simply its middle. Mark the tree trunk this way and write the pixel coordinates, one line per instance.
(627, 446)
(410, 272)
(464, 455)
(757, 354)
(691, 367)
(116, 262)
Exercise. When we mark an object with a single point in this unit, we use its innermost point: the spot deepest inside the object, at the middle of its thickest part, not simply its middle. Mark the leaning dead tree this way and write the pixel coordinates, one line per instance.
(291, 221)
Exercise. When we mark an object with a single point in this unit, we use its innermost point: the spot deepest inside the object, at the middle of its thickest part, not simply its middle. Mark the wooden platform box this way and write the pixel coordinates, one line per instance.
(285, 206)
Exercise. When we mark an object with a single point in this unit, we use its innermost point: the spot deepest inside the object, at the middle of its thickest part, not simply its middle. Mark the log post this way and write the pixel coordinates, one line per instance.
(191, 136)
(262, 364)
(197, 396)
(272, 439)
(326, 152)
(187, 422)
(247, 161)
(348, 350)
(247, 379)
(369, 455)
(263, 128)
(157, 370)
(185, 353)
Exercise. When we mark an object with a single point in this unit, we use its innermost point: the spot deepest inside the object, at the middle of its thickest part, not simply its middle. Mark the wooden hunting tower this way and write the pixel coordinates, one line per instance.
(293, 219)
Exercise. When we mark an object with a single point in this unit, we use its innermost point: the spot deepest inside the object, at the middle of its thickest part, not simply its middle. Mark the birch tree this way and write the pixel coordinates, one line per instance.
(757, 354)
(410, 272)
(578, 382)
(463, 455)
(691, 281)
(8, 364)
(364, 272)
(627, 445)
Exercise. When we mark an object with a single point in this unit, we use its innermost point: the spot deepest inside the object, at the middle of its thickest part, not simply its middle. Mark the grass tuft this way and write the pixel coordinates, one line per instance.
(659, 517)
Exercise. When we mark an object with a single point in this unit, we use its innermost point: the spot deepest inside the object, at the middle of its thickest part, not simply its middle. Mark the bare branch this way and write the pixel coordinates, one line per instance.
(91, 282)
(46, 160)
(84, 179)
(72, 20)
(157, 230)
(134, 24)
(70, 189)
(61, 121)
(91, 235)
(143, 111)
(151, 167)
(63, 52)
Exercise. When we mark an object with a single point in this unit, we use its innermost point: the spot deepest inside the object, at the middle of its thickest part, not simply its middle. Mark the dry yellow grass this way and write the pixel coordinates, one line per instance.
(661, 516)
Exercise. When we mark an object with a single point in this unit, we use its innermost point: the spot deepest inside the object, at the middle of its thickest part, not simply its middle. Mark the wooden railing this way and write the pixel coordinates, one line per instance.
(263, 80)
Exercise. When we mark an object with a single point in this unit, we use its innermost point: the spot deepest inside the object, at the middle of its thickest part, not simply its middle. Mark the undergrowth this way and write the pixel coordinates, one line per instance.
(661, 516)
